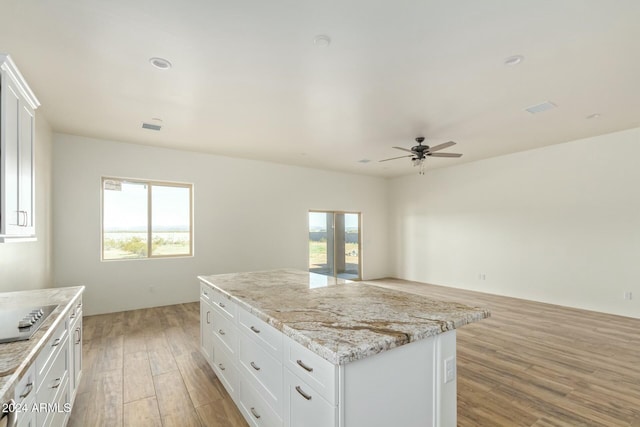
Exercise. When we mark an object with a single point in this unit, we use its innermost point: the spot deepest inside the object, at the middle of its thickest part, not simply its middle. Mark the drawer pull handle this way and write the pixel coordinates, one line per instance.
(305, 367)
(57, 383)
(254, 329)
(221, 332)
(254, 366)
(221, 366)
(56, 342)
(302, 393)
(208, 314)
(221, 304)
(79, 304)
(27, 391)
(79, 336)
(73, 315)
(254, 413)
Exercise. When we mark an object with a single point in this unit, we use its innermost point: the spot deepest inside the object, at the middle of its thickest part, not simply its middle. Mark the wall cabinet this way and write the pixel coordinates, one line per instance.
(17, 131)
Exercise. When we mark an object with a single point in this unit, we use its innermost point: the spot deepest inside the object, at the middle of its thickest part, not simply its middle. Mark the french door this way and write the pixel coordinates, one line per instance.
(334, 244)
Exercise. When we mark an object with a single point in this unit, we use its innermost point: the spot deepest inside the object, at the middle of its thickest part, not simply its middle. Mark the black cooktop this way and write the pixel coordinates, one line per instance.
(20, 323)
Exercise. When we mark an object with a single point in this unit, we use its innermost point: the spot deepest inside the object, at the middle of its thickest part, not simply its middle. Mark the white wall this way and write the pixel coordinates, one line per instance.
(249, 215)
(27, 265)
(560, 224)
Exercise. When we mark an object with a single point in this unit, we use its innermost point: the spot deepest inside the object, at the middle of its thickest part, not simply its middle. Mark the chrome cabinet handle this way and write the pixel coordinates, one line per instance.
(56, 342)
(221, 332)
(59, 380)
(28, 391)
(79, 336)
(255, 414)
(221, 366)
(302, 393)
(254, 366)
(254, 329)
(305, 367)
(221, 304)
(208, 320)
(73, 314)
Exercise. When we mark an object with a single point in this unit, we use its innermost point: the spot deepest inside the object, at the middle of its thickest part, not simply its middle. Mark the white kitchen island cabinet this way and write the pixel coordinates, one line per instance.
(297, 349)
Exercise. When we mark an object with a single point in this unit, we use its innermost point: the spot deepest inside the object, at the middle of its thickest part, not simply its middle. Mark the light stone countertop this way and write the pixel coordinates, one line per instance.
(339, 320)
(17, 357)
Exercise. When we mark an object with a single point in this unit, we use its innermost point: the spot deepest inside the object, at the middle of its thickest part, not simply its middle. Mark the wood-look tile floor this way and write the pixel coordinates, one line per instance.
(530, 364)
(144, 368)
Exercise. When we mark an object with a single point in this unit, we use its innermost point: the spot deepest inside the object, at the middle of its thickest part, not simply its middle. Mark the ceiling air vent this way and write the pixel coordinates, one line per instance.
(151, 126)
(539, 108)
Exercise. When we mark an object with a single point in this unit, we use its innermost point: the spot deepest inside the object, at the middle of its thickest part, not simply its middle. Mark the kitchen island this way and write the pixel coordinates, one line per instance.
(295, 348)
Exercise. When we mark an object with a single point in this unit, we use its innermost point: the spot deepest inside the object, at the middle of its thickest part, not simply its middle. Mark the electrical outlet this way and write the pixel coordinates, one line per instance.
(482, 276)
(449, 369)
(628, 295)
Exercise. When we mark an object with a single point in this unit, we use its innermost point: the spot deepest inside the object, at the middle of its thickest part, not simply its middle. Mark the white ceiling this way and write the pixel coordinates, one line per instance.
(248, 80)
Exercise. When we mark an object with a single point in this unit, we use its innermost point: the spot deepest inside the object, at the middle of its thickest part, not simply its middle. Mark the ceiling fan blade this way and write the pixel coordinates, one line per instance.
(444, 154)
(394, 158)
(441, 146)
(403, 149)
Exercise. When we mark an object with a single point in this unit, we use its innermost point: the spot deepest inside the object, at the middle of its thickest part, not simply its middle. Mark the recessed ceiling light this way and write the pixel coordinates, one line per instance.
(514, 60)
(160, 63)
(322, 41)
(593, 116)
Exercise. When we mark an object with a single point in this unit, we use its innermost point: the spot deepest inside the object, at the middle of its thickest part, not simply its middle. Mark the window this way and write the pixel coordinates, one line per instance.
(146, 219)
(334, 244)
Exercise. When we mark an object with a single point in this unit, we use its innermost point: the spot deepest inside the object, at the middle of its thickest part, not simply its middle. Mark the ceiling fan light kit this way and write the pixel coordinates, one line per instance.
(420, 152)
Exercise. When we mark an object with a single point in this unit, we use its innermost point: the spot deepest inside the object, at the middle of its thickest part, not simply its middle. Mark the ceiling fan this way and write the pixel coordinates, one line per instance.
(420, 152)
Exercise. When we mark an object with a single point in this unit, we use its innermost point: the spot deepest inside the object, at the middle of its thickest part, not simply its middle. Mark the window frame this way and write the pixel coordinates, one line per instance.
(150, 183)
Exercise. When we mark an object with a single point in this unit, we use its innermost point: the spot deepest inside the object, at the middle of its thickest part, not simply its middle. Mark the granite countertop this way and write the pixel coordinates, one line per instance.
(17, 357)
(339, 320)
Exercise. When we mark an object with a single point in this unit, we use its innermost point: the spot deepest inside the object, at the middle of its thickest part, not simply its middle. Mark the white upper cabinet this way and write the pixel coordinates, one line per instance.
(17, 124)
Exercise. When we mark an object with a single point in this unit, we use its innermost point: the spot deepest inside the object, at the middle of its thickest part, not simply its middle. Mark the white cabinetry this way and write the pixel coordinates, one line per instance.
(17, 124)
(52, 377)
(75, 347)
(275, 381)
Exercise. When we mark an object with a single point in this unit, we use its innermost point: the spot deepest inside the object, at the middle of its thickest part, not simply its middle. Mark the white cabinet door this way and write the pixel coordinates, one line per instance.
(26, 219)
(206, 330)
(17, 123)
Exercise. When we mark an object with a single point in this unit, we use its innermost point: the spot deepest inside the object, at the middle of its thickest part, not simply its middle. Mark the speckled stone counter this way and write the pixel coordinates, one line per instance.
(17, 357)
(339, 320)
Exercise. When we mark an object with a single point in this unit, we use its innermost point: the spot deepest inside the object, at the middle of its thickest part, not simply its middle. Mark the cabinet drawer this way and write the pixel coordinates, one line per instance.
(262, 370)
(61, 410)
(225, 369)
(268, 336)
(313, 369)
(51, 383)
(226, 331)
(255, 410)
(25, 389)
(224, 304)
(205, 292)
(306, 406)
(49, 350)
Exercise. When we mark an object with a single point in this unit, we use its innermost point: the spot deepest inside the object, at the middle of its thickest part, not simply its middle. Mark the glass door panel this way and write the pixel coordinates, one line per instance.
(334, 244)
